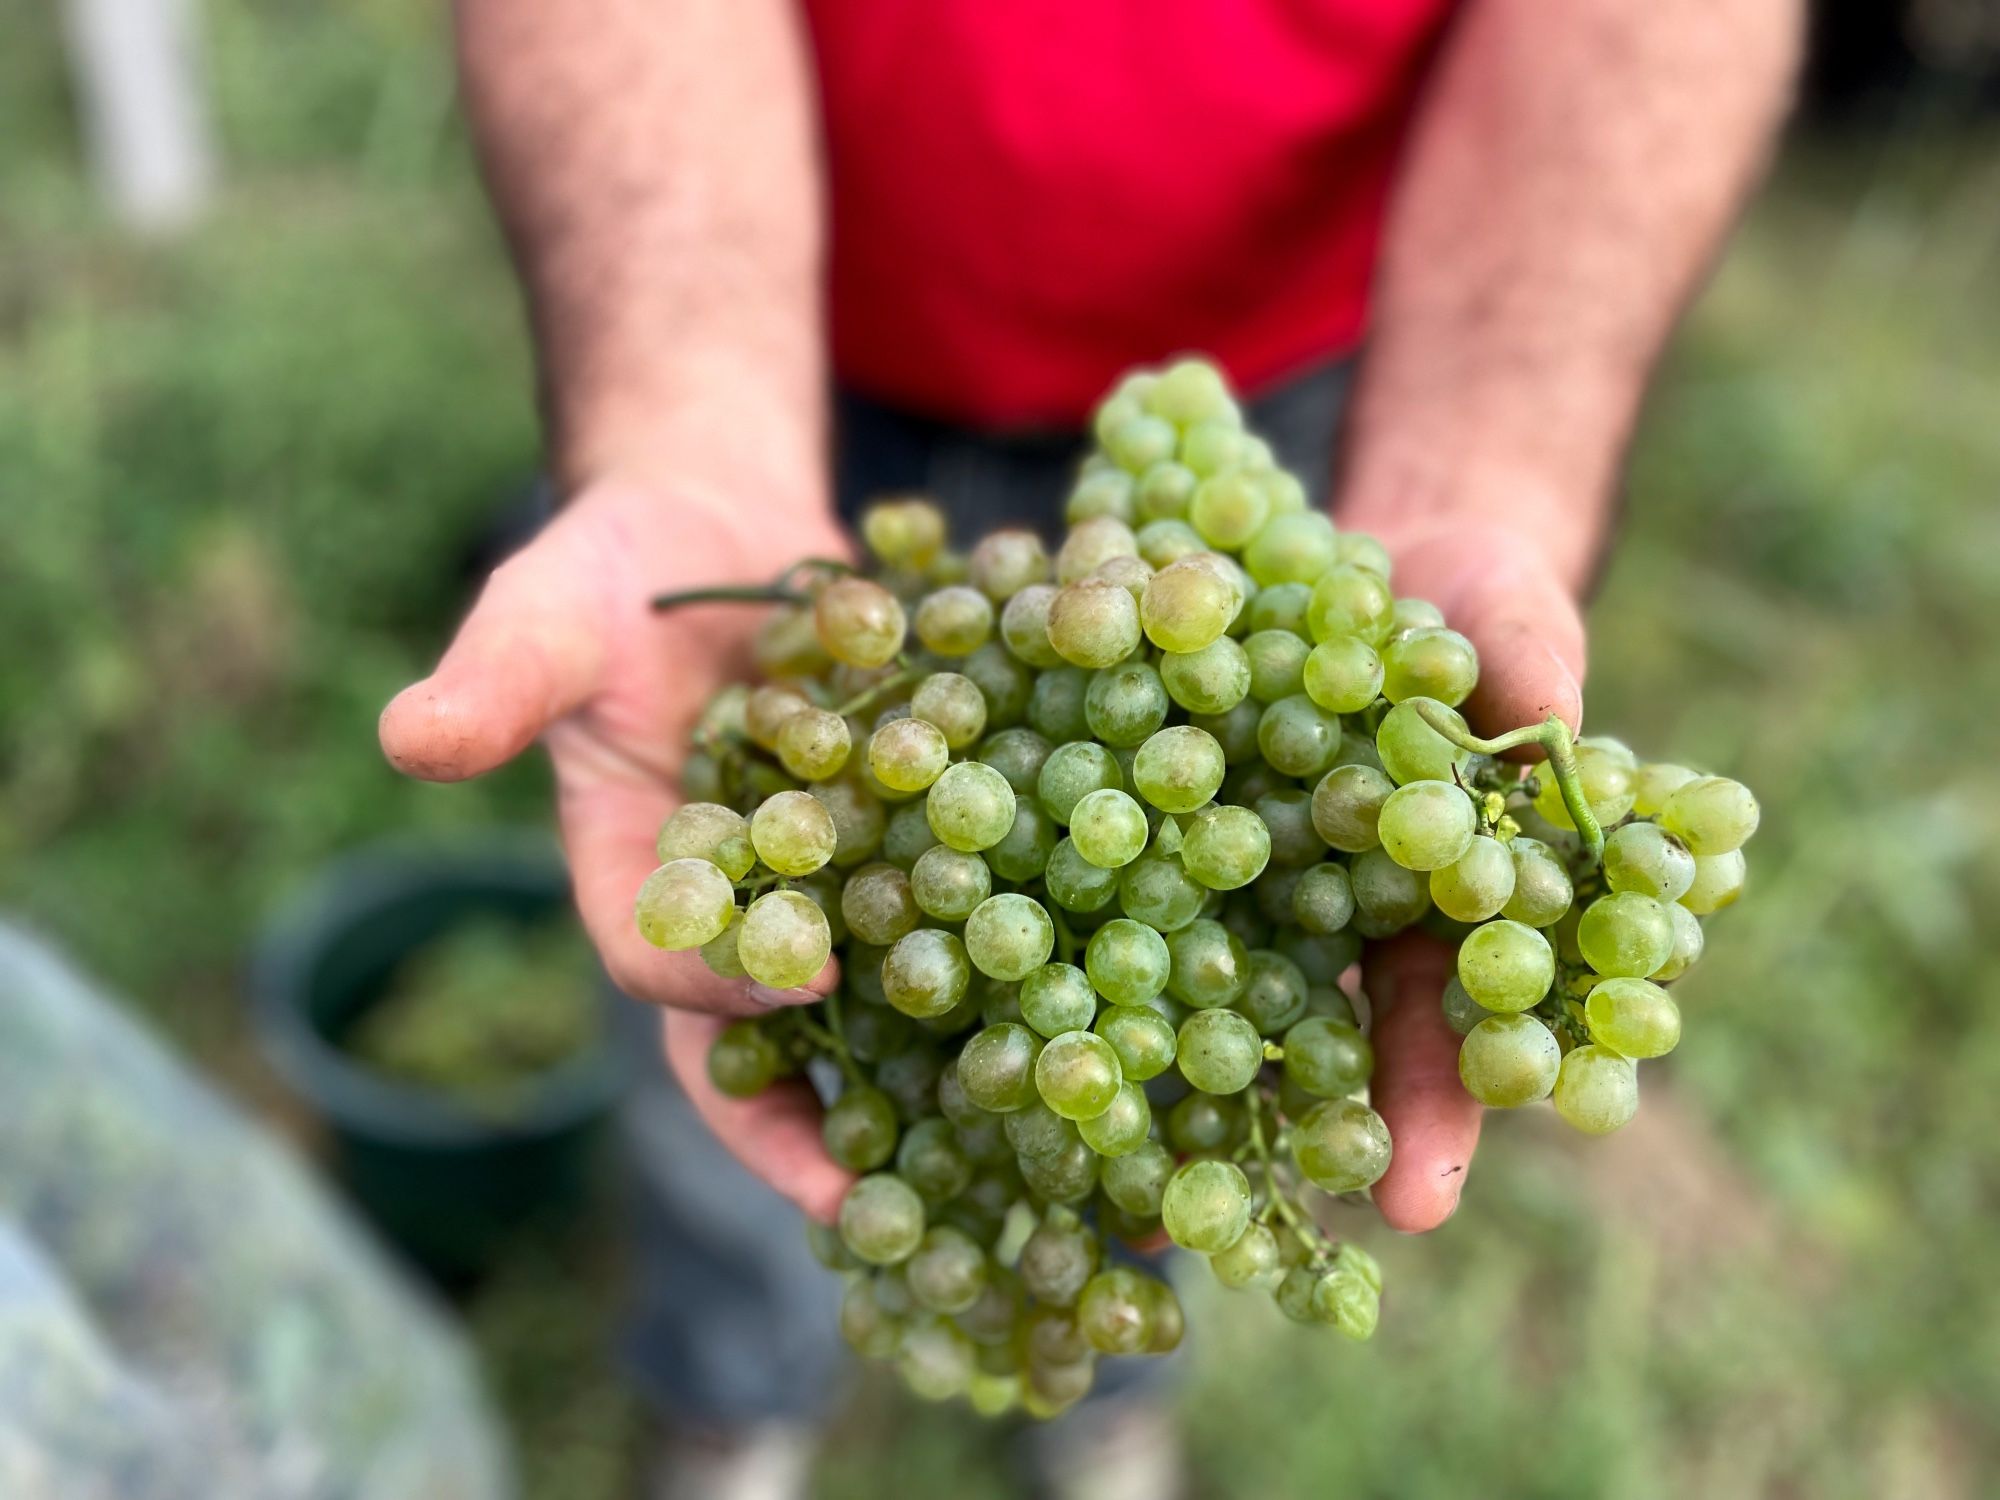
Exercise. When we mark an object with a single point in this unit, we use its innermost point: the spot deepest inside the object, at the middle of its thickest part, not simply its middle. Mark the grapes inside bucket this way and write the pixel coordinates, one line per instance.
(1097, 839)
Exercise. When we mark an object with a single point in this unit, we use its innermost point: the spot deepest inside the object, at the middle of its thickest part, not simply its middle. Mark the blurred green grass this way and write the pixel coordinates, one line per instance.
(242, 475)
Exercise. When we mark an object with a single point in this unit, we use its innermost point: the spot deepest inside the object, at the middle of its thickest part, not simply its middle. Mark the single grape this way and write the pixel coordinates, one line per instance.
(1597, 1090)
(1178, 769)
(1413, 751)
(1003, 681)
(954, 621)
(868, 1328)
(1426, 825)
(947, 1271)
(1024, 625)
(1023, 851)
(1688, 942)
(1213, 446)
(930, 1159)
(1323, 899)
(996, 1067)
(1207, 1123)
(684, 904)
(1509, 1060)
(877, 904)
(1277, 660)
(1341, 1146)
(1123, 1127)
(1206, 1206)
(1125, 703)
(707, 830)
(1461, 1011)
(1127, 961)
(1137, 1181)
(1074, 883)
(1633, 1018)
(1298, 737)
(1506, 966)
(1712, 815)
(1056, 998)
(1143, 1039)
(1209, 965)
(1188, 604)
(882, 1219)
(1229, 509)
(935, 1359)
(1090, 544)
(1156, 890)
(1067, 1176)
(1161, 498)
(1281, 606)
(859, 820)
(926, 973)
(1226, 847)
(1058, 1259)
(1108, 828)
(1017, 753)
(1072, 772)
(784, 940)
(1275, 995)
(970, 806)
(1093, 623)
(858, 622)
(1348, 600)
(906, 533)
(954, 704)
(907, 755)
(1542, 890)
(948, 883)
(1606, 779)
(1328, 1058)
(1346, 1302)
(1191, 391)
(1212, 680)
(1347, 807)
(1252, 1263)
(1625, 934)
(1005, 562)
(1718, 881)
(720, 953)
(1129, 573)
(1078, 1075)
(1476, 885)
(1656, 782)
(1291, 548)
(1429, 663)
(1100, 492)
(743, 1061)
(1037, 1130)
(767, 709)
(1115, 1311)
(1387, 897)
(813, 744)
(1218, 1051)
(1644, 857)
(1343, 674)
(793, 833)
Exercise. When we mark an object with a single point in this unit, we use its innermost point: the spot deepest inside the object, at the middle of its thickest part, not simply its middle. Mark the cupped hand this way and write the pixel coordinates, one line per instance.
(1497, 587)
(563, 647)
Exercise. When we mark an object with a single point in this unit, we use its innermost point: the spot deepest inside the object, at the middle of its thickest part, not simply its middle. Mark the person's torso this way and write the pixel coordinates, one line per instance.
(1028, 196)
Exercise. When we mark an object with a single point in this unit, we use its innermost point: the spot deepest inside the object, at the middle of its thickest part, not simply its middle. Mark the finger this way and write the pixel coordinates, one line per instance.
(776, 1135)
(609, 827)
(530, 652)
(1432, 1120)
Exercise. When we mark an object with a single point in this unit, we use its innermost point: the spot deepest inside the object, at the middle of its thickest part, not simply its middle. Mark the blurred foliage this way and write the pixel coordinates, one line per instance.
(243, 477)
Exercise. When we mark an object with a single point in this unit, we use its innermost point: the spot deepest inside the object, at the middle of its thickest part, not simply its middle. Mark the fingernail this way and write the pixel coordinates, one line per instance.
(776, 998)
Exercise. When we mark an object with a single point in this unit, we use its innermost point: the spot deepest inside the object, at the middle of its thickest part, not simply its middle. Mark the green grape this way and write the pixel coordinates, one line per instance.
(935, 1360)
(1156, 890)
(1093, 623)
(1141, 441)
(765, 712)
(1115, 1311)
(1056, 705)
(1225, 847)
(1189, 603)
(707, 830)
(1207, 1123)
(1429, 663)
(1091, 543)
(970, 806)
(1229, 509)
(1235, 731)
(1018, 754)
(1291, 548)
(684, 904)
(947, 1272)
(1213, 446)
(1625, 935)
(1298, 737)
(954, 704)
(1206, 1206)
(858, 820)
(1275, 995)
(1606, 780)
(1413, 751)
(1347, 807)
(1056, 998)
(813, 744)
(1037, 1130)
(1387, 897)
(948, 883)
(1078, 1075)
(1294, 1294)
(1218, 1051)
(1357, 549)
(1476, 885)
(1137, 1181)
(1426, 825)
(1074, 883)
(1123, 1127)
(743, 1061)
(1252, 1263)
(1328, 1000)
(721, 955)
(1101, 492)
(1108, 828)
(1212, 680)
(1023, 851)
(1350, 601)
(1688, 943)
(1068, 1176)
(954, 621)
(1596, 1090)
(784, 940)
(1209, 965)
(1323, 899)
(1072, 772)
(996, 1067)
(1341, 1146)
(1162, 496)
(1057, 1259)
(1143, 1039)
(1277, 664)
(953, 1104)
(1633, 1018)
(908, 755)
(904, 533)
(793, 833)
(1712, 815)
(877, 904)
(1328, 1058)
(1654, 783)
(1003, 681)
(1347, 1303)
(1125, 703)
(1178, 769)
(1645, 858)
(881, 1219)
(1509, 1060)
(1287, 815)
(1718, 881)
(1506, 966)
(930, 1160)
(1024, 625)
(859, 622)
(1542, 890)
(926, 973)
(1005, 562)
(1191, 391)
(1008, 936)
(1461, 1011)
(1342, 674)
(1128, 573)
(868, 1327)
(1127, 961)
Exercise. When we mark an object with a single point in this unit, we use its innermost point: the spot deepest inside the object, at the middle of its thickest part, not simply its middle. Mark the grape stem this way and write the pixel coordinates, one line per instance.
(1308, 1233)
(833, 1037)
(1554, 737)
(867, 696)
(747, 593)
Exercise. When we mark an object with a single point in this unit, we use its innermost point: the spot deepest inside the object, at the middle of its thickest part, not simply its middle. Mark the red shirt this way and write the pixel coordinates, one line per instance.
(1030, 195)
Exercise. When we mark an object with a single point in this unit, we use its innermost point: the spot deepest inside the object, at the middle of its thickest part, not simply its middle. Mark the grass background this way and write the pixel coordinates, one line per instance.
(241, 479)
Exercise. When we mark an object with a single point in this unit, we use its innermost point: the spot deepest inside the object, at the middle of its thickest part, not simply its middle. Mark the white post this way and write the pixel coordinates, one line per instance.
(145, 122)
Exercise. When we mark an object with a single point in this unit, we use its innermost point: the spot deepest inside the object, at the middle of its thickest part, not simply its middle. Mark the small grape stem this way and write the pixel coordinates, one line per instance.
(867, 696)
(759, 882)
(832, 1038)
(747, 593)
(1066, 943)
(1554, 737)
(1307, 1232)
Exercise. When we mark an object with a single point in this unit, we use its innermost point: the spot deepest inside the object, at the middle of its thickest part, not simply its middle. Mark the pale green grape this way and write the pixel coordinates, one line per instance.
(1137, 1181)
(1009, 936)
(1413, 751)
(970, 806)
(784, 940)
(1711, 815)
(1024, 625)
(1056, 998)
(1359, 550)
(1298, 737)
(1425, 825)
(1387, 897)
(1128, 573)
(1323, 900)
(1347, 807)
(793, 833)
(1688, 942)
(1213, 446)
(859, 820)
(1275, 995)
(1229, 509)
(1461, 1011)
(1625, 934)
(1212, 680)
(1476, 885)
(948, 883)
(1414, 614)
(947, 1271)
(877, 904)
(1074, 883)
(1644, 857)
(707, 830)
(1127, 961)
(721, 955)
(1037, 1130)
(1509, 1060)
(1056, 705)
(1206, 1206)
(1141, 441)
(1218, 1051)
(859, 622)
(904, 533)
(1188, 603)
(1123, 1127)
(1078, 1075)
(1291, 548)
(872, 1332)
(1342, 674)
(1108, 828)
(1018, 754)
(1347, 1303)
(1225, 847)
(1093, 623)
(1506, 966)
(1125, 703)
(1178, 769)
(1606, 780)
(1252, 1263)
(930, 1159)
(1342, 1146)
(907, 755)
(1210, 965)
(1071, 773)
(1157, 890)
(1633, 1018)
(1542, 888)
(743, 1061)
(1597, 1090)
(1328, 1058)
(859, 1129)
(1656, 782)
(996, 1067)
(1003, 680)
(926, 972)
(1162, 495)
(954, 704)
(1429, 663)
(1207, 1123)
(1350, 601)
(1143, 1039)
(882, 1219)
(1281, 606)
(1277, 660)
(1058, 1259)
(1718, 881)
(1189, 391)
(1023, 851)
(1005, 562)
(954, 621)
(765, 712)
(685, 903)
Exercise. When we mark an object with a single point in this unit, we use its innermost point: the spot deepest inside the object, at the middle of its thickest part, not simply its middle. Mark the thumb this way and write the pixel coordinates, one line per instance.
(530, 652)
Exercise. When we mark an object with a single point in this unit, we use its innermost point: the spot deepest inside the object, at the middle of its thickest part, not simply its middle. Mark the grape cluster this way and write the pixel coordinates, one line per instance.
(1099, 849)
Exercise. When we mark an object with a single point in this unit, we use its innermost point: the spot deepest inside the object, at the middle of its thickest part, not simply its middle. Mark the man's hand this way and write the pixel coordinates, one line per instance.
(1495, 586)
(563, 646)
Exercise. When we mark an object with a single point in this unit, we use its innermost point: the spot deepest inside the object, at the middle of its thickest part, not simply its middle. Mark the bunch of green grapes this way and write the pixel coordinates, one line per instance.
(1098, 838)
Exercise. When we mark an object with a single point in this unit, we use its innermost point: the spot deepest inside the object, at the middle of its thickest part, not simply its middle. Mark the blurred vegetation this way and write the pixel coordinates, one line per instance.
(244, 477)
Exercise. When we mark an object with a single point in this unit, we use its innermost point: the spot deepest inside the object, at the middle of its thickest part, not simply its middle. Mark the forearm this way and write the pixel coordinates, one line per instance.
(1570, 174)
(654, 170)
